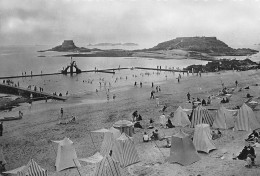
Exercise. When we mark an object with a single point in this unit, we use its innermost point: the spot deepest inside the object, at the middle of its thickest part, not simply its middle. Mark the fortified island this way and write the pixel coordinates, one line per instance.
(203, 48)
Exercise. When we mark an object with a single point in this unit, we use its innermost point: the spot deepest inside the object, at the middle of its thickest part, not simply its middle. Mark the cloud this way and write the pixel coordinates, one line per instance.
(147, 22)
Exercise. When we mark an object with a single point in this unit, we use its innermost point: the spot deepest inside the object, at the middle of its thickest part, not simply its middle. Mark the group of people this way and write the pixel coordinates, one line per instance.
(136, 117)
(11, 83)
(248, 154)
(224, 100)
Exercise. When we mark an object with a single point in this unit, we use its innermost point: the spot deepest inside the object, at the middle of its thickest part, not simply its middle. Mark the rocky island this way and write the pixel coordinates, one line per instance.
(203, 48)
(68, 46)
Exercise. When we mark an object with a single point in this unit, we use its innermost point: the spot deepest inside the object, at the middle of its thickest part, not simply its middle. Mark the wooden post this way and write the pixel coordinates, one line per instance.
(76, 167)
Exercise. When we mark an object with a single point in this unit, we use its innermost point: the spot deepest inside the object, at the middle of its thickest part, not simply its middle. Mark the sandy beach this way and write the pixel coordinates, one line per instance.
(31, 137)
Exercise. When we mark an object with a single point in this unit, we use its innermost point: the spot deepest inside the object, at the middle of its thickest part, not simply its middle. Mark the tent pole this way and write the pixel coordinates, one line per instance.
(54, 155)
(92, 141)
(159, 149)
(76, 167)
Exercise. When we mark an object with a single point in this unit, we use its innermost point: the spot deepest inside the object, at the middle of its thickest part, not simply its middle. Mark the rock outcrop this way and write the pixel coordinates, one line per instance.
(209, 45)
(69, 46)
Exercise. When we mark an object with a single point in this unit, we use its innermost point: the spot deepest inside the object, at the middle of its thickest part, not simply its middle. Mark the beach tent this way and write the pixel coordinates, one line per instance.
(31, 169)
(109, 140)
(124, 151)
(224, 119)
(125, 126)
(200, 115)
(66, 155)
(108, 167)
(202, 138)
(182, 150)
(2, 158)
(246, 119)
(180, 118)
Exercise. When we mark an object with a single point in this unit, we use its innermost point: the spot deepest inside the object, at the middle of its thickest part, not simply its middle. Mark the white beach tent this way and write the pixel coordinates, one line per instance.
(180, 118)
(108, 167)
(124, 151)
(2, 158)
(246, 119)
(125, 126)
(224, 119)
(108, 141)
(200, 115)
(31, 169)
(182, 150)
(202, 138)
(66, 155)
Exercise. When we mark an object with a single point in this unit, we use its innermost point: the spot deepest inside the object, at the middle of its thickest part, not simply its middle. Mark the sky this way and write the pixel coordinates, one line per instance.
(146, 22)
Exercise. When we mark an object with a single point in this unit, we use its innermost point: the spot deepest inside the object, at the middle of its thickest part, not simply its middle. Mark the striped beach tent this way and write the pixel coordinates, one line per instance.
(109, 140)
(246, 119)
(31, 169)
(182, 150)
(202, 138)
(224, 119)
(180, 118)
(66, 155)
(2, 158)
(200, 115)
(124, 151)
(108, 167)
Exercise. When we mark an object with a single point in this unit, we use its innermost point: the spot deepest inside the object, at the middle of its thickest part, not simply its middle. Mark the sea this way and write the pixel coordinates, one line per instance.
(16, 60)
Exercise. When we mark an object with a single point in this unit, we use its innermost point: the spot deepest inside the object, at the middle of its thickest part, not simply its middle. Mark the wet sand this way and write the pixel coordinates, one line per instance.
(31, 137)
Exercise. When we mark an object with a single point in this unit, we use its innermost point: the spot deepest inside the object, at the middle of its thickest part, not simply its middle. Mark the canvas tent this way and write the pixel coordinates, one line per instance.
(200, 115)
(224, 119)
(31, 169)
(2, 158)
(66, 155)
(202, 138)
(180, 118)
(108, 141)
(183, 150)
(246, 119)
(125, 126)
(124, 151)
(107, 167)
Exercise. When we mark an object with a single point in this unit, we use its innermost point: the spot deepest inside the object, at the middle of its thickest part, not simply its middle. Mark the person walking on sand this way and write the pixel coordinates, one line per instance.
(152, 84)
(107, 97)
(188, 96)
(141, 84)
(61, 112)
(236, 83)
(152, 94)
(114, 97)
(178, 80)
(157, 102)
